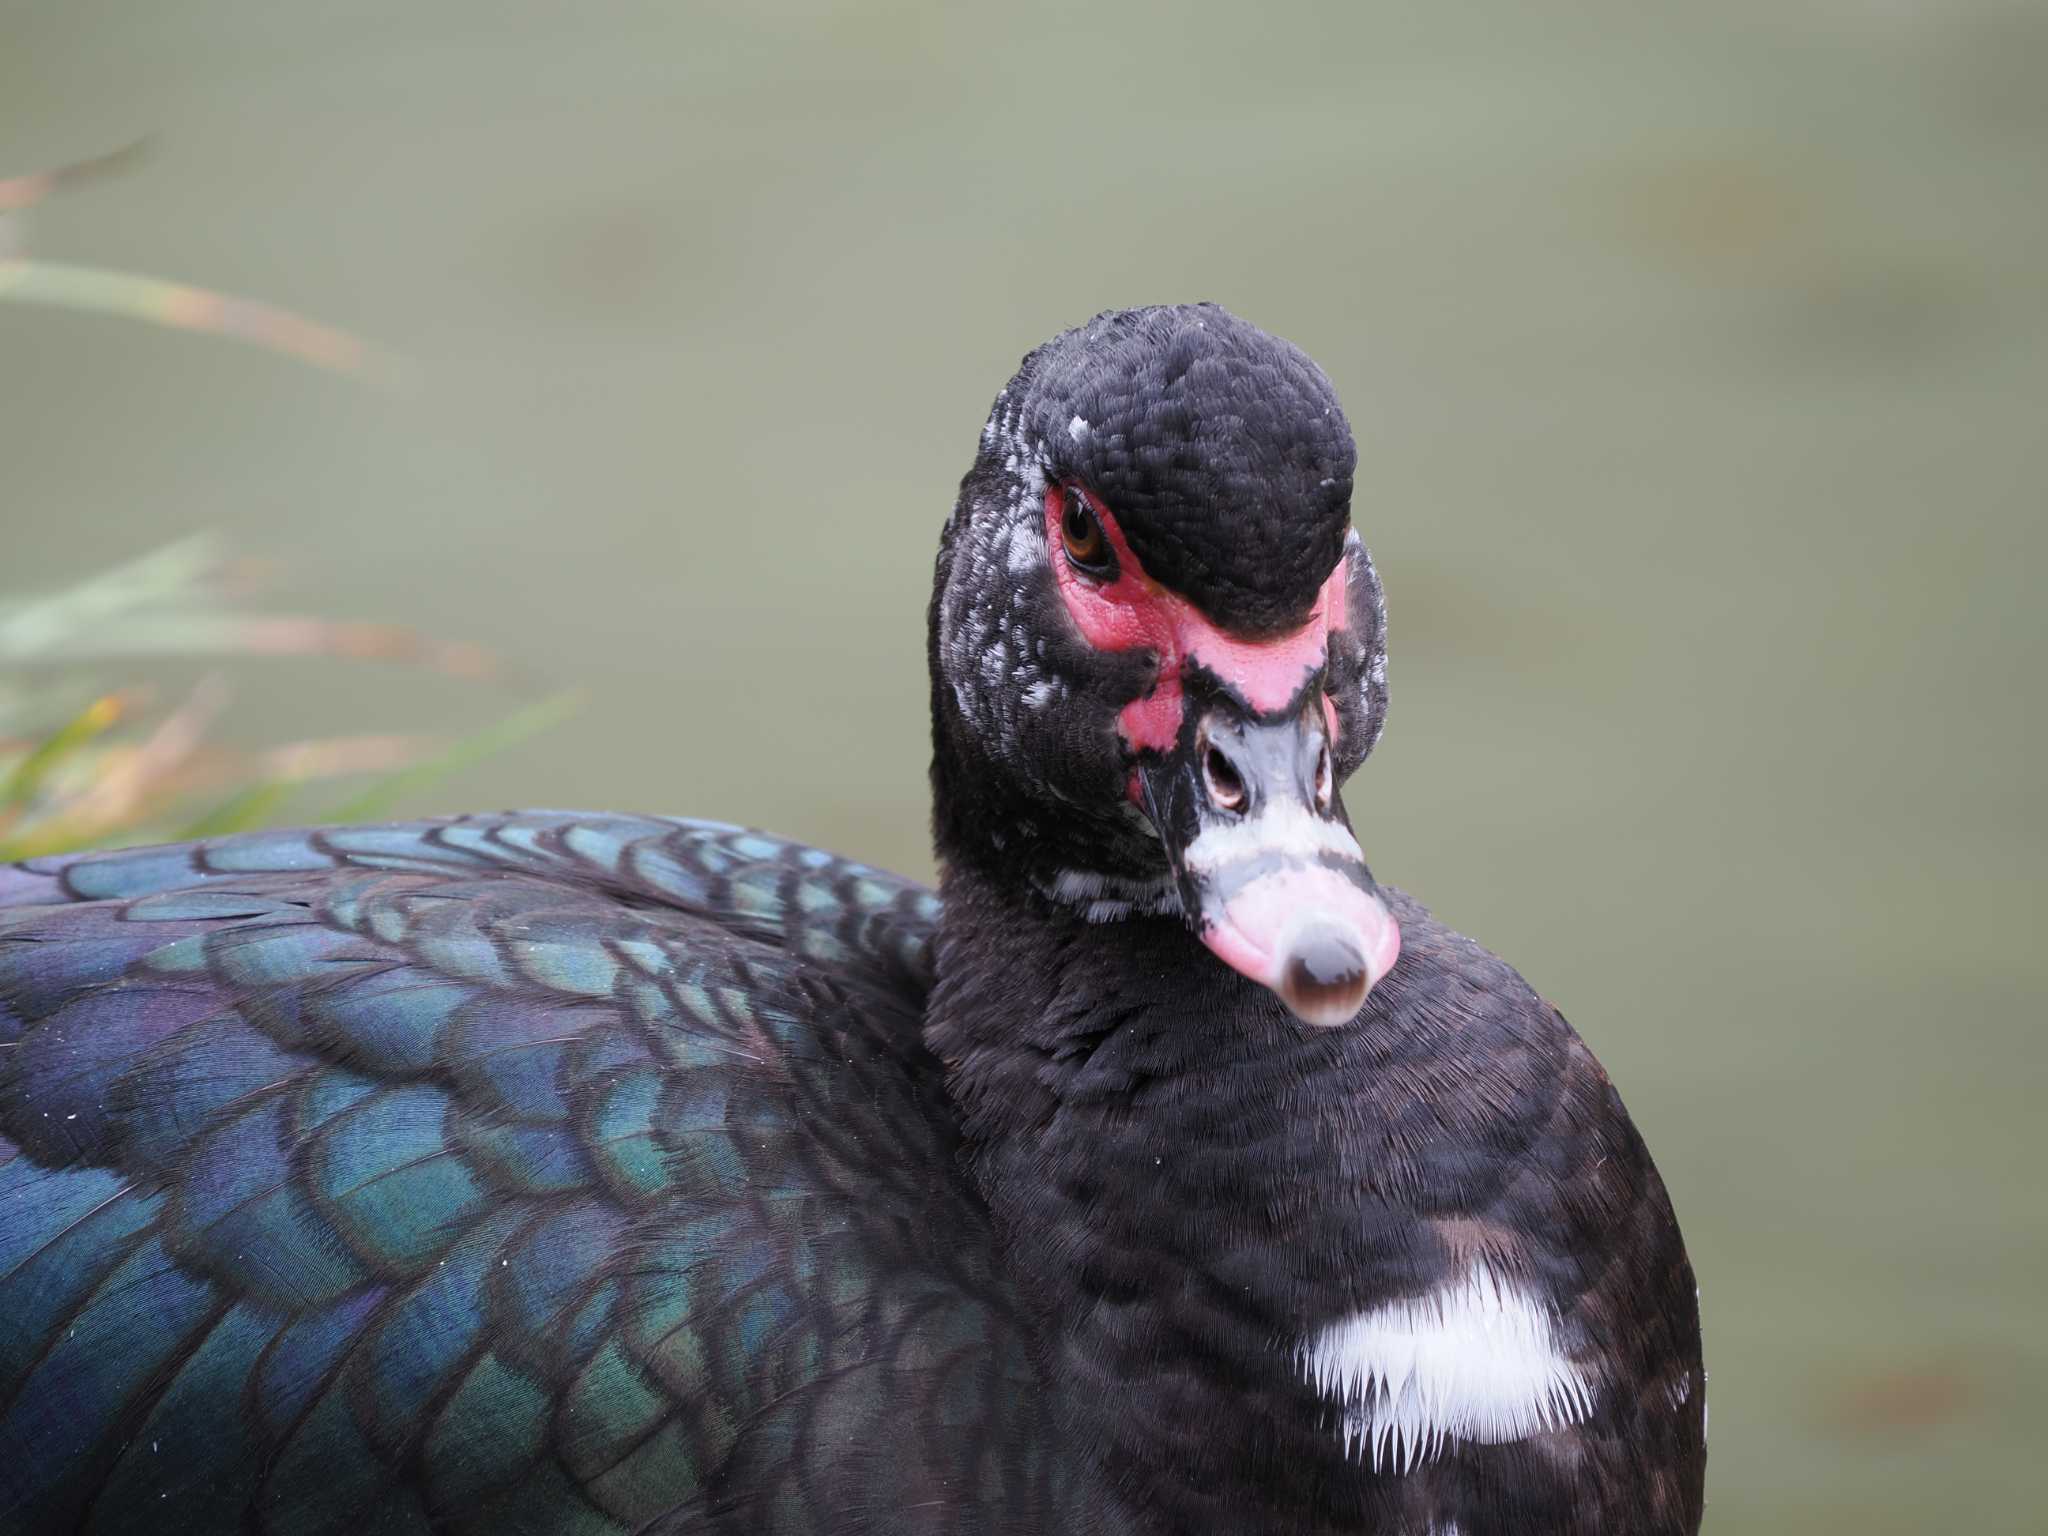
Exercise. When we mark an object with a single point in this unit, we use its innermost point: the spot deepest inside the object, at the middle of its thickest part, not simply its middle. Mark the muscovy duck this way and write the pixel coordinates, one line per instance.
(564, 1173)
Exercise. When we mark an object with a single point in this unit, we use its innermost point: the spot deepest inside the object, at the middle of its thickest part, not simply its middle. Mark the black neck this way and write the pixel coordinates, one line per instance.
(1178, 1168)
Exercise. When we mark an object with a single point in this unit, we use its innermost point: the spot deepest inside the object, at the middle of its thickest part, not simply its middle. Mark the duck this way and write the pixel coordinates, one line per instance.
(590, 1174)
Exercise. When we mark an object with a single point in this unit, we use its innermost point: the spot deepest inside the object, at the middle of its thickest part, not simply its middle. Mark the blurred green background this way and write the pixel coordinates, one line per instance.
(1698, 356)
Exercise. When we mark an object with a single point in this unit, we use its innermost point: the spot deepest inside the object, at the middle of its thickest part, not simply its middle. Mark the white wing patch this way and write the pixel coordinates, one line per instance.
(1475, 1361)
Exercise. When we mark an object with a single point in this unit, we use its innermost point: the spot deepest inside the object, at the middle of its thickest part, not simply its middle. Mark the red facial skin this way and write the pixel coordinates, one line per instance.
(1135, 611)
(1254, 932)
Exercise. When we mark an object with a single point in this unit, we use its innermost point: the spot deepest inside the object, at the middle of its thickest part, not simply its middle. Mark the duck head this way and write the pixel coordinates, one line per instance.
(1157, 649)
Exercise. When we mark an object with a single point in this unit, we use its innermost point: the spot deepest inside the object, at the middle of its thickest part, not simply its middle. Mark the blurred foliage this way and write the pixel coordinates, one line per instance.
(25, 280)
(90, 758)
(88, 755)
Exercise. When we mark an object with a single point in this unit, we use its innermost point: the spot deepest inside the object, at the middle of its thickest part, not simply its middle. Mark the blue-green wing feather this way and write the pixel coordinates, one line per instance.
(537, 1172)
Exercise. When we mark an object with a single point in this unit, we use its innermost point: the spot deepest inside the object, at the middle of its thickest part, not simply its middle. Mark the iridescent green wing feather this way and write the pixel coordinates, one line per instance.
(528, 1173)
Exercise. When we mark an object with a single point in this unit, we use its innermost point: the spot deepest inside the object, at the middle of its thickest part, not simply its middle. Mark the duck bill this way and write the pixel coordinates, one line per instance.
(1270, 876)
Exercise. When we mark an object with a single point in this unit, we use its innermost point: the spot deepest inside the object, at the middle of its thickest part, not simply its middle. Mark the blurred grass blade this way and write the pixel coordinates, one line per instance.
(73, 777)
(19, 192)
(192, 633)
(288, 768)
(73, 736)
(182, 307)
(380, 798)
(74, 774)
(171, 572)
(175, 576)
(131, 781)
(332, 757)
(242, 811)
(170, 602)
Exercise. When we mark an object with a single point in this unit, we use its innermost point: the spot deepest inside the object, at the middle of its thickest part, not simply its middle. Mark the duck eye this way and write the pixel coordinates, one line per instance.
(1087, 549)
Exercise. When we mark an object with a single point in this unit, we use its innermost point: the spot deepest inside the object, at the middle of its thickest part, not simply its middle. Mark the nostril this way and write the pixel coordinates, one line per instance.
(1325, 978)
(1224, 783)
(1325, 779)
